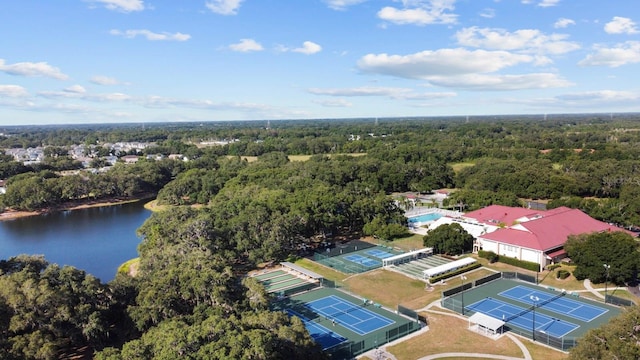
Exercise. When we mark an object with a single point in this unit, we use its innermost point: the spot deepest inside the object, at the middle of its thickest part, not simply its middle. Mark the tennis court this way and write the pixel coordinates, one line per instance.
(353, 317)
(562, 318)
(330, 314)
(557, 304)
(320, 334)
(379, 253)
(523, 317)
(359, 259)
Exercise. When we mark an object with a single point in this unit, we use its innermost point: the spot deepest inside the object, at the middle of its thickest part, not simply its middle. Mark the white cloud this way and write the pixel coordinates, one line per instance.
(542, 3)
(123, 5)
(246, 45)
(390, 92)
(563, 23)
(333, 102)
(548, 3)
(104, 80)
(361, 91)
(488, 13)
(32, 70)
(150, 35)
(342, 4)
(76, 89)
(601, 95)
(484, 82)
(420, 12)
(621, 25)
(224, 7)
(443, 62)
(13, 91)
(621, 54)
(80, 93)
(308, 48)
(528, 40)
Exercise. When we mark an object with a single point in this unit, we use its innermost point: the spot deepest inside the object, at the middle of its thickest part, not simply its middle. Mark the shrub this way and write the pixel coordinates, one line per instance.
(553, 267)
(463, 270)
(489, 255)
(563, 274)
(533, 266)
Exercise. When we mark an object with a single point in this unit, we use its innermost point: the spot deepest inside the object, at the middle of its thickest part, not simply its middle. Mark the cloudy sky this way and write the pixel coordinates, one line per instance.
(99, 61)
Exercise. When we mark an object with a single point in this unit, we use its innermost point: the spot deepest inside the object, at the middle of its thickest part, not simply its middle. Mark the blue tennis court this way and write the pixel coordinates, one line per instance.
(353, 317)
(359, 259)
(565, 306)
(520, 317)
(320, 334)
(379, 253)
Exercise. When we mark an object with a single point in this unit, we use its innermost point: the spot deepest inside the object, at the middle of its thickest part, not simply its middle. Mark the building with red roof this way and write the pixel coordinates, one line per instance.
(532, 235)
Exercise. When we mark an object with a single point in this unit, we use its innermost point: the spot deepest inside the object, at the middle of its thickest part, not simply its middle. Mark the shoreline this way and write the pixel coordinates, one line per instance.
(17, 214)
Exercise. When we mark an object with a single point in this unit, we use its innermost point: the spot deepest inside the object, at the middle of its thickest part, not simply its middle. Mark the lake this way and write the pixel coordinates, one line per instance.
(96, 240)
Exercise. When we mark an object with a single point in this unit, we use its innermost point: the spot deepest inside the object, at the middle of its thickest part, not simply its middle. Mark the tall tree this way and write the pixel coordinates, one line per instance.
(450, 239)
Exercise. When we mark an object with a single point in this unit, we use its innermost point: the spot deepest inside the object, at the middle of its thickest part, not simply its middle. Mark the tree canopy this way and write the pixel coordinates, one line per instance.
(602, 255)
(450, 239)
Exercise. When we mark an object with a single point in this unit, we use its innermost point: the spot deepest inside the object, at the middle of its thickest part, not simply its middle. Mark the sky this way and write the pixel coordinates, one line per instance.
(135, 61)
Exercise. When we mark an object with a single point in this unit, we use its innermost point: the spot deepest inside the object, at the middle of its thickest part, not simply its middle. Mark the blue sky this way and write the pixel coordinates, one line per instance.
(102, 61)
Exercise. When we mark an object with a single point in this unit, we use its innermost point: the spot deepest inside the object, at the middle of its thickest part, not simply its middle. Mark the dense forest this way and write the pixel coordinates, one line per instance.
(258, 203)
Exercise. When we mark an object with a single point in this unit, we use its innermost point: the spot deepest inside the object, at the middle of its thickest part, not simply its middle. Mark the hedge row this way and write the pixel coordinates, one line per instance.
(493, 257)
(533, 266)
(435, 279)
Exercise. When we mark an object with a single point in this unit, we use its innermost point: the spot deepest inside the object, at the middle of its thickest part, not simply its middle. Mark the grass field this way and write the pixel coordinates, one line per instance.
(459, 166)
(450, 334)
(294, 157)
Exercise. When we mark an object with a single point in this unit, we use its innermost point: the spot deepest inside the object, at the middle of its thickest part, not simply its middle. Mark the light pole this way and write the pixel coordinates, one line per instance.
(535, 300)
(462, 279)
(606, 280)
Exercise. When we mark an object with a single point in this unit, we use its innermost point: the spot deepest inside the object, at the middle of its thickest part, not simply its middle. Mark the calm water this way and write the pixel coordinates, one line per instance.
(96, 240)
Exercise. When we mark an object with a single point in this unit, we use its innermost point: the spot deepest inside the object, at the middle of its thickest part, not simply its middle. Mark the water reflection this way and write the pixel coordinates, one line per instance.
(97, 240)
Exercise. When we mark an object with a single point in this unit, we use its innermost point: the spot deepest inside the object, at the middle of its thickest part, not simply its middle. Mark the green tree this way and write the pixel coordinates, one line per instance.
(616, 249)
(450, 239)
(617, 339)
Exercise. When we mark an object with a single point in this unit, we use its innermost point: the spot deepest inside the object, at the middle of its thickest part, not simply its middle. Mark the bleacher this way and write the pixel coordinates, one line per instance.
(416, 267)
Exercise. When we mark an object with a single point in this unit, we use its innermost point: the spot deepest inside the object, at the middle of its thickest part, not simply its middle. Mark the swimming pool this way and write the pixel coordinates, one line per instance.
(425, 218)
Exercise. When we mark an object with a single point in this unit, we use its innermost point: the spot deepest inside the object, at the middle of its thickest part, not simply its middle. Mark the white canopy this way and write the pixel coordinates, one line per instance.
(486, 321)
(445, 268)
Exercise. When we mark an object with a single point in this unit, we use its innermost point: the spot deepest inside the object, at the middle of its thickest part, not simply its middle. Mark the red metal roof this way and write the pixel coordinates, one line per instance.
(549, 231)
(499, 214)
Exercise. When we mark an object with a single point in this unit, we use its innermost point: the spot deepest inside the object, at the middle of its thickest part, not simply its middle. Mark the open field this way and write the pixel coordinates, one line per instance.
(408, 243)
(459, 166)
(295, 157)
(326, 272)
(450, 334)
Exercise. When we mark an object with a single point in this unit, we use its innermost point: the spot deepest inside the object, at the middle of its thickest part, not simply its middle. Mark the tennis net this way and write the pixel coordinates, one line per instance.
(517, 315)
(544, 302)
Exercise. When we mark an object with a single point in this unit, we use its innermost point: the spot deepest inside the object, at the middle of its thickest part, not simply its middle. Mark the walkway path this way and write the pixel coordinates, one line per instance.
(589, 287)
(382, 354)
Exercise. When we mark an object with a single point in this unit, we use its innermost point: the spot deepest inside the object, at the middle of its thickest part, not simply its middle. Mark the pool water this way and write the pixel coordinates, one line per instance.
(425, 218)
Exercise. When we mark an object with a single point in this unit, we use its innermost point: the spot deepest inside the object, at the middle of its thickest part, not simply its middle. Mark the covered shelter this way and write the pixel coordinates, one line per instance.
(486, 324)
(448, 267)
(300, 270)
(406, 257)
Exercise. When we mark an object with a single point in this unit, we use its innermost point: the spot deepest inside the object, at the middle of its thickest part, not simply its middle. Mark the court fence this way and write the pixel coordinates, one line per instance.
(407, 312)
(347, 267)
(450, 302)
(350, 350)
(614, 300)
(520, 276)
